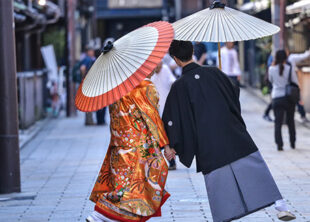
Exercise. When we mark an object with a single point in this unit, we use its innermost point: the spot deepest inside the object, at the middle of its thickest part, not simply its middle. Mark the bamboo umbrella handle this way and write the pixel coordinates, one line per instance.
(219, 55)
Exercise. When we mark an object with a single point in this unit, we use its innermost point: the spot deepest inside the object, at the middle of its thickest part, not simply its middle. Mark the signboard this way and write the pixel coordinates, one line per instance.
(118, 4)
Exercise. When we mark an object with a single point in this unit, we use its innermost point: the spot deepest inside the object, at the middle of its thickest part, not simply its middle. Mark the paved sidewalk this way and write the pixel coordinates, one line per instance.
(61, 164)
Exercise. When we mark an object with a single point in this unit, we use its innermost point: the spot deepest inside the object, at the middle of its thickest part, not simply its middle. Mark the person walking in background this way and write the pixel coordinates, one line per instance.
(200, 53)
(56, 104)
(100, 114)
(163, 79)
(293, 59)
(279, 78)
(230, 63)
(86, 64)
(266, 115)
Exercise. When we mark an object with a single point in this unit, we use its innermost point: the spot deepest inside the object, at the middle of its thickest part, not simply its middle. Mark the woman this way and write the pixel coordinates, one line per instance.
(130, 185)
(279, 78)
(163, 79)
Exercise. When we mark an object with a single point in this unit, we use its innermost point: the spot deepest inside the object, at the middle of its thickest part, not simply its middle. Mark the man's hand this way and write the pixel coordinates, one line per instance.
(169, 153)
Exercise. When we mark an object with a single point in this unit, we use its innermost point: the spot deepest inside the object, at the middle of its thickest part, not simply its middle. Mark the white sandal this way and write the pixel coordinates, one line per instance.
(98, 217)
(286, 216)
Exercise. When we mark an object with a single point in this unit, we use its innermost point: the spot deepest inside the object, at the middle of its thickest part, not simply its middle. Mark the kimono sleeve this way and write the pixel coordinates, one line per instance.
(147, 101)
(171, 119)
(180, 123)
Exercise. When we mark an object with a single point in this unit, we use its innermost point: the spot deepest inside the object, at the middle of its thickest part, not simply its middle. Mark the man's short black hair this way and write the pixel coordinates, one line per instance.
(182, 50)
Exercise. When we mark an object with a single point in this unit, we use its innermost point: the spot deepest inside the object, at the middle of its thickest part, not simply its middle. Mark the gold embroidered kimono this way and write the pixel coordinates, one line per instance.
(130, 185)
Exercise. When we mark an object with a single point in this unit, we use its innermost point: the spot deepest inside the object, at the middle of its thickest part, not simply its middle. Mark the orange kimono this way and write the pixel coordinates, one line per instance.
(130, 185)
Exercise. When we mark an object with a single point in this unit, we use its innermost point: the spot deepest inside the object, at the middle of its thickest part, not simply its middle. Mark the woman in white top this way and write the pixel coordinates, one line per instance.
(163, 80)
(279, 77)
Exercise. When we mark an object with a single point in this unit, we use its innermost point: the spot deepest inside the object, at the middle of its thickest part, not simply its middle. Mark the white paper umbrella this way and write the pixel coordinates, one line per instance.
(220, 23)
(123, 66)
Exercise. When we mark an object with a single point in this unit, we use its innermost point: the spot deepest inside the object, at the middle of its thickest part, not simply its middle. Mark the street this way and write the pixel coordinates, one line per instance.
(61, 163)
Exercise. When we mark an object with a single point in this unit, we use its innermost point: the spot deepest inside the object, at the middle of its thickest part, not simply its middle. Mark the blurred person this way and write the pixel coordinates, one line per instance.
(230, 63)
(56, 103)
(85, 66)
(131, 182)
(100, 114)
(177, 70)
(266, 115)
(293, 59)
(279, 78)
(200, 53)
(202, 118)
(163, 79)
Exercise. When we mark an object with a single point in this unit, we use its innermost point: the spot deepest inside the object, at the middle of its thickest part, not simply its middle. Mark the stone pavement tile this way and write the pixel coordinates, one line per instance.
(34, 218)
(9, 210)
(10, 218)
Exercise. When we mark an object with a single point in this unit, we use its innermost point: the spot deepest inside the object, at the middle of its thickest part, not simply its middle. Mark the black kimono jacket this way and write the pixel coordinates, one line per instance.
(202, 118)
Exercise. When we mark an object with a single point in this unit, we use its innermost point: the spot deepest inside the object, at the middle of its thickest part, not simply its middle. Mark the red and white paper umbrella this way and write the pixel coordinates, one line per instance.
(123, 65)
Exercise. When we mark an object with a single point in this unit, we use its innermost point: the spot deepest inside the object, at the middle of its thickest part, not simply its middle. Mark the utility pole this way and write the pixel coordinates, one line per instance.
(9, 146)
(278, 18)
(70, 6)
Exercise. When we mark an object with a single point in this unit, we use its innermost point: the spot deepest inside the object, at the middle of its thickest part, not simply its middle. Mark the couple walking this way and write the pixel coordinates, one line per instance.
(202, 119)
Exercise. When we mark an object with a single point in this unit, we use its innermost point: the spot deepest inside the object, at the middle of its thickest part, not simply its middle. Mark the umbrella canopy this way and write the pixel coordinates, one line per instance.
(220, 23)
(123, 65)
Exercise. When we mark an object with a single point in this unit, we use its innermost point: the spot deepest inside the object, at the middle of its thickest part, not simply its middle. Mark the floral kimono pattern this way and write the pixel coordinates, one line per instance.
(130, 185)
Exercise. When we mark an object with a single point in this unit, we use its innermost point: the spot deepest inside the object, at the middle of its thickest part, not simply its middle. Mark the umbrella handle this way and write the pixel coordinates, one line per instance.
(219, 55)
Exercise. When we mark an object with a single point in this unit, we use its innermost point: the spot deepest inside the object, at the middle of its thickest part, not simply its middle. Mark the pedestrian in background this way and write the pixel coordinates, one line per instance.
(100, 114)
(200, 53)
(56, 104)
(163, 80)
(266, 115)
(293, 59)
(86, 64)
(279, 77)
(230, 63)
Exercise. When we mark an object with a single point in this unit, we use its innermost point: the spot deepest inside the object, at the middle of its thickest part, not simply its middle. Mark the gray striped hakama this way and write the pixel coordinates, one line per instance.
(241, 188)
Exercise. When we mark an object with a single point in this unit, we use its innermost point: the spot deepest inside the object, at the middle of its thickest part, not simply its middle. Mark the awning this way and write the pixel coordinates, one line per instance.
(36, 16)
(255, 6)
(302, 11)
(298, 7)
(19, 17)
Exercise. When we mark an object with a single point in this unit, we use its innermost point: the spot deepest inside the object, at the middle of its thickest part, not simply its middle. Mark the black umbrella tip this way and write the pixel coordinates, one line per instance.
(107, 48)
(217, 4)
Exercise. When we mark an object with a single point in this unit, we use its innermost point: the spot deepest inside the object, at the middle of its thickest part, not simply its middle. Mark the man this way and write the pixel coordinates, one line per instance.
(294, 59)
(91, 54)
(163, 79)
(86, 64)
(202, 118)
(230, 63)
